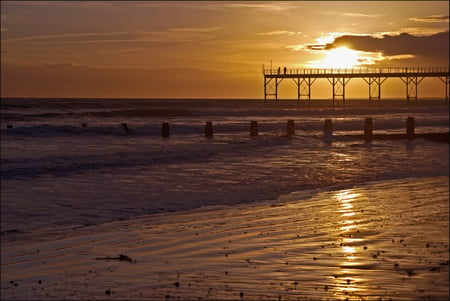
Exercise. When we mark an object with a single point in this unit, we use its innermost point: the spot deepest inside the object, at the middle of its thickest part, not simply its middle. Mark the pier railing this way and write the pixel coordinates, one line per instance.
(356, 71)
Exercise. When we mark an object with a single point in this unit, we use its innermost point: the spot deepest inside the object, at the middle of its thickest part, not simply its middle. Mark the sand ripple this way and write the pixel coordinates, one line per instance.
(385, 240)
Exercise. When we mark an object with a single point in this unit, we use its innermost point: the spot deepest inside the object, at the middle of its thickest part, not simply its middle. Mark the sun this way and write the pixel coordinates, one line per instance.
(341, 57)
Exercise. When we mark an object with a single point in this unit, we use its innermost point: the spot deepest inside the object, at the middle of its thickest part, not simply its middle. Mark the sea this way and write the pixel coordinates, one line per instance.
(68, 163)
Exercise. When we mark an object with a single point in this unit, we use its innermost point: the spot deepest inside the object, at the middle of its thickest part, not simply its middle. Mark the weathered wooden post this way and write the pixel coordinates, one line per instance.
(125, 128)
(368, 129)
(290, 129)
(209, 132)
(410, 128)
(328, 129)
(253, 128)
(165, 130)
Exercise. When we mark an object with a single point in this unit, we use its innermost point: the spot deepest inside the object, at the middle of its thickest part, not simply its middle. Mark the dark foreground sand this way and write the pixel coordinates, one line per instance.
(386, 240)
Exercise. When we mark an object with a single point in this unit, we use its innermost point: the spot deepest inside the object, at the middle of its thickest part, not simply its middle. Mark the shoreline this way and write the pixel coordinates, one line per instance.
(271, 198)
(351, 242)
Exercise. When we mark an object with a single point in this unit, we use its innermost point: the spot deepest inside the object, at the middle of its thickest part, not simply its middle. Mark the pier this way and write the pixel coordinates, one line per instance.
(339, 78)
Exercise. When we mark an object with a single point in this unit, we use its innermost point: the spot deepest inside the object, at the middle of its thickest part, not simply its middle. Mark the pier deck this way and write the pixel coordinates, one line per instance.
(338, 78)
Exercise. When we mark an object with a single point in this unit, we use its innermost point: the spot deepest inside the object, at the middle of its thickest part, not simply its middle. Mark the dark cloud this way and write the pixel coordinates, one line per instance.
(436, 45)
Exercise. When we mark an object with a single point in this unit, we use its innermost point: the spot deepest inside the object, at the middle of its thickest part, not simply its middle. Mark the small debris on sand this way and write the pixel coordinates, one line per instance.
(121, 257)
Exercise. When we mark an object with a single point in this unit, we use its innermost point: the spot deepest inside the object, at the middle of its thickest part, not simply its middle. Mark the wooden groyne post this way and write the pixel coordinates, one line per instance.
(290, 129)
(209, 131)
(253, 128)
(410, 127)
(328, 129)
(165, 130)
(125, 128)
(368, 129)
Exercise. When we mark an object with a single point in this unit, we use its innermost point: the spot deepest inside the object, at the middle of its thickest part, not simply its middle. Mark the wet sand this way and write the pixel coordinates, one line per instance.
(384, 240)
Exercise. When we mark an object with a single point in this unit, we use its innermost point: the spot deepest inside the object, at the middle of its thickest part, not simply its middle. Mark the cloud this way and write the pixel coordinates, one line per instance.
(196, 29)
(431, 19)
(172, 35)
(123, 50)
(361, 15)
(419, 31)
(66, 4)
(436, 45)
(279, 32)
(351, 14)
(3, 23)
(280, 6)
(298, 47)
(51, 37)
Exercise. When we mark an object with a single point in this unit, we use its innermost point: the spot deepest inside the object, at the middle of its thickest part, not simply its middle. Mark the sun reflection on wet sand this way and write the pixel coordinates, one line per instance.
(349, 279)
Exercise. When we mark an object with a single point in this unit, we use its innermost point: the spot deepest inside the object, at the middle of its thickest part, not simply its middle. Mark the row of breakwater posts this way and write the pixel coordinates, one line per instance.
(367, 132)
(367, 135)
(339, 78)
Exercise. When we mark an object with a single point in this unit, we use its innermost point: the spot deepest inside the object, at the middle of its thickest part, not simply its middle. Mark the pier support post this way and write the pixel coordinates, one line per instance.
(368, 129)
(338, 84)
(410, 127)
(209, 132)
(446, 81)
(253, 128)
(271, 86)
(411, 82)
(374, 83)
(328, 129)
(290, 129)
(304, 87)
(165, 130)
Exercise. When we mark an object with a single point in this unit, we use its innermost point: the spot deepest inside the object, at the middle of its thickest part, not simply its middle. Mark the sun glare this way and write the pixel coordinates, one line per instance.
(341, 57)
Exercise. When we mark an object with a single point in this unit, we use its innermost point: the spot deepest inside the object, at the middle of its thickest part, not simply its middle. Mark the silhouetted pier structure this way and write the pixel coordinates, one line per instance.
(339, 78)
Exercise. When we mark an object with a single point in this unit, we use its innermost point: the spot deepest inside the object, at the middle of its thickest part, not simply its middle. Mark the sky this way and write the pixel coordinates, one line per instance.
(211, 49)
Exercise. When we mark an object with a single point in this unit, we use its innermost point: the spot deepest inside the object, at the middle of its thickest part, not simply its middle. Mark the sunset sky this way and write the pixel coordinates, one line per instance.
(215, 49)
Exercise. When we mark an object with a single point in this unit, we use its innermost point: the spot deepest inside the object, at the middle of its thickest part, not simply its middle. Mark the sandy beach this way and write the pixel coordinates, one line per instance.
(381, 241)
(224, 150)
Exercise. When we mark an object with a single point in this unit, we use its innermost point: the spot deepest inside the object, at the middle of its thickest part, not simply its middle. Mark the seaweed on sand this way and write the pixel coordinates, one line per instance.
(121, 257)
